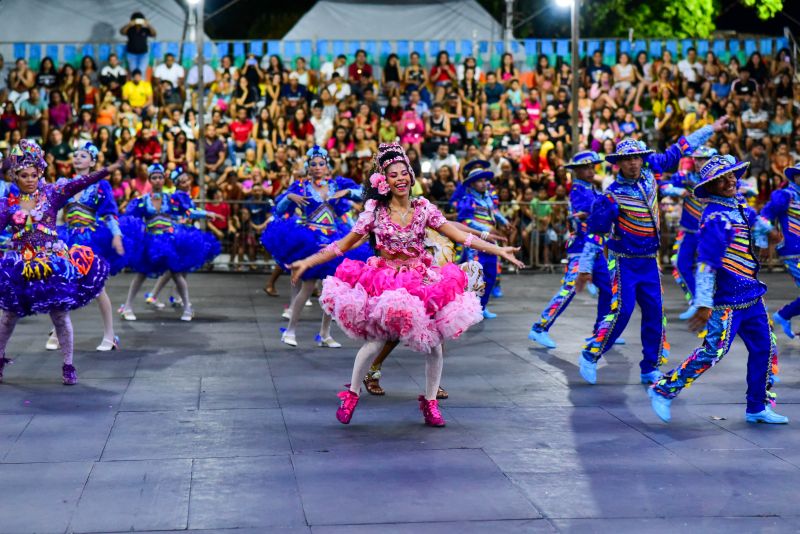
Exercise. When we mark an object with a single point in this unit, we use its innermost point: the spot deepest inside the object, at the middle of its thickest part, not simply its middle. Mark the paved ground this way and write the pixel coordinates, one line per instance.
(214, 425)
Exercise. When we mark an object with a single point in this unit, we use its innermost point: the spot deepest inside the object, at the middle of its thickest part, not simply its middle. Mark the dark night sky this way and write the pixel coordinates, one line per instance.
(272, 19)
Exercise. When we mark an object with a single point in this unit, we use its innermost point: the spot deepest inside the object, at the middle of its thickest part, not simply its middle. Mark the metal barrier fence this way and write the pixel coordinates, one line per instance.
(316, 51)
(540, 231)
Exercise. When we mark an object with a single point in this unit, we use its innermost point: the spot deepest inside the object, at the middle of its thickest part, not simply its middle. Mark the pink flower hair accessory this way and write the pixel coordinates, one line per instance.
(379, 182)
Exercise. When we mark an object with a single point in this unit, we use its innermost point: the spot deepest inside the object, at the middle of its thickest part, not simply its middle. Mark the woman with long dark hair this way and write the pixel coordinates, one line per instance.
(398, 295)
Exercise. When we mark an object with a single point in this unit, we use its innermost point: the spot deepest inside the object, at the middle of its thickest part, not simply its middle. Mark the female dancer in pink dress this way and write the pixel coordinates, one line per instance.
(400, 294)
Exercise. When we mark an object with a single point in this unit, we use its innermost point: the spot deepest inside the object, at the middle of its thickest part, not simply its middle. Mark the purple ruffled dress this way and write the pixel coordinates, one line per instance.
(39, 273)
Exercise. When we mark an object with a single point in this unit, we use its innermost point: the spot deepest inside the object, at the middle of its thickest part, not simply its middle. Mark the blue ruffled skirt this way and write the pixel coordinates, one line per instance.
(181, 250)
(48, 281)
(289, 240)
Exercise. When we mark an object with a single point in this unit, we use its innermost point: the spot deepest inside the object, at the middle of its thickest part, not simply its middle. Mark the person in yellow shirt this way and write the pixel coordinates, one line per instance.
(138, 92)
(696, 120)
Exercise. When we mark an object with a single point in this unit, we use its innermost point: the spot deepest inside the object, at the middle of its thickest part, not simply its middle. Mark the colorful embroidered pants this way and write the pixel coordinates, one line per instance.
(753, 326)
(793, 308)
(685, 259)
(565, 294)
(633, 280)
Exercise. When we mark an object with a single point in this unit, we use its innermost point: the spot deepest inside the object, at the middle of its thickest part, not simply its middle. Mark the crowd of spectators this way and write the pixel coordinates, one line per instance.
(263, 114)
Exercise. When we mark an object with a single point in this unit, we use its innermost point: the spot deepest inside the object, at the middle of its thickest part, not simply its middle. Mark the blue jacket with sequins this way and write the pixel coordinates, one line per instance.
(727, 263)
(784, 207)
(628, 211)
(581, 198)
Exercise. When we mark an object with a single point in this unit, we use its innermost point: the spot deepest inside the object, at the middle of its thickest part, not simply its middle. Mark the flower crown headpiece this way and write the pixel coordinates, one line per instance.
(401, 156)
(28, 154)
(90, 148)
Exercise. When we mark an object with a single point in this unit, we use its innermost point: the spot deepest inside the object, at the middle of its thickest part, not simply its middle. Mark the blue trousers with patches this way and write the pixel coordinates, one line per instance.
(633, 280)
(685, 262)
(566, 292)
(793, 308)
(752, 324)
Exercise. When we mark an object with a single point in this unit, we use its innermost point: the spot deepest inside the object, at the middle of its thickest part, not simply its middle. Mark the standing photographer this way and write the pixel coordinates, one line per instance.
(137, 30)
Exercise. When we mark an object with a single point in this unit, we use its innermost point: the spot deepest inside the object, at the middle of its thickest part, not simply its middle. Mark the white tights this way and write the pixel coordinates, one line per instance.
(433, 367)
(300, 294)
(180, 283)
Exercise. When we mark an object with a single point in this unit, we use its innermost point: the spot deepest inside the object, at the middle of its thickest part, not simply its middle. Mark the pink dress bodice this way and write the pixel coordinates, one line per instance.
(393, 238)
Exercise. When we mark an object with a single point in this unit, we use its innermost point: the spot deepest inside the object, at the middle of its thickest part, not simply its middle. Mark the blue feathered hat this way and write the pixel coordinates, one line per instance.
(89, 147)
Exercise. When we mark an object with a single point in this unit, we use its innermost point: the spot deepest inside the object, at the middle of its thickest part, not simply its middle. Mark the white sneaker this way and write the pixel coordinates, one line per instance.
(128, 314)
(289, 339)
(188, 315)
(287, 314)
(52, 341)
(107, 345)
(308, 303)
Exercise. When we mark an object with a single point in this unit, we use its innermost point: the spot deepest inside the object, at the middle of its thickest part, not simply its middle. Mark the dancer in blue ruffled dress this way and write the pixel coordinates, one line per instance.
(90, 219)
(166, 245)
(322, 201)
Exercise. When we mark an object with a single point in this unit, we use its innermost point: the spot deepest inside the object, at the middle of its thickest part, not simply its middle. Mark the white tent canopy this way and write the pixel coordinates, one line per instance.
(41, 21)
(392, 20)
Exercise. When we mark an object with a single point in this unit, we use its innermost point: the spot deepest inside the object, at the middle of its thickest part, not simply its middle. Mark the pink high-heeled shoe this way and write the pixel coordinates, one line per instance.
(347, 407)
(430, 410)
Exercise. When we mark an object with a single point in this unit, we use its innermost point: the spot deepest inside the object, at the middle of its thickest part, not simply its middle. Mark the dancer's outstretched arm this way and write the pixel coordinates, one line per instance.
(469, 240)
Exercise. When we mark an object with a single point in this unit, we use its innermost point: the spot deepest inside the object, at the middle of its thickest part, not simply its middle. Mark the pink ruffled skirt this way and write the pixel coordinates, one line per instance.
(410, 301)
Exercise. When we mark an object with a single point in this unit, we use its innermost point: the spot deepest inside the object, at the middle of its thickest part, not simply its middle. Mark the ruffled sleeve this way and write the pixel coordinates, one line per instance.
(366, 220)
(433, 217)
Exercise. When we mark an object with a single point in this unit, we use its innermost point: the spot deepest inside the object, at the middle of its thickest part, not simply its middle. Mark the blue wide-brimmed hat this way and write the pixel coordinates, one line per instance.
(703, 152)
(628, 148)
(791, 172)
(584, 157)
(474, 164)
(477, 174)
(718, 166)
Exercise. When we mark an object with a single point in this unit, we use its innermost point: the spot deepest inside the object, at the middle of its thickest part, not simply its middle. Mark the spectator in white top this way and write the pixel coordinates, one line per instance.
(468, 63)
(323, 126)
(338, 65)
(688, 103)
(113, 75)
(443, 158)
(226, 65)
(339, 88)
(497, 160)
(691, 71)
(192, 79)
(170, 71)
(756, 121)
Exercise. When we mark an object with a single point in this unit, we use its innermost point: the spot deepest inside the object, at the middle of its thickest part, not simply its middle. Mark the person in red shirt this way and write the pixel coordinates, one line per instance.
(147, 148)
(443, 75)
(359, 73)
(241, 135)
(301, 130)
(219, 226)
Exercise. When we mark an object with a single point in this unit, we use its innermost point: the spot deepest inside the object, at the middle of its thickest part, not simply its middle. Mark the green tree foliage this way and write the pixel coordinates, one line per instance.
(662, 18)
(766, 9)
